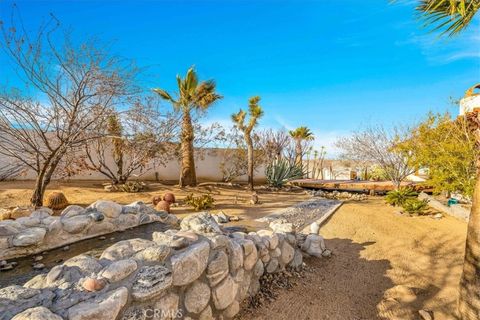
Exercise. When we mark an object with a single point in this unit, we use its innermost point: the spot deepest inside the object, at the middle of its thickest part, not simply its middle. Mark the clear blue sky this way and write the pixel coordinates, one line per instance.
(332, 65)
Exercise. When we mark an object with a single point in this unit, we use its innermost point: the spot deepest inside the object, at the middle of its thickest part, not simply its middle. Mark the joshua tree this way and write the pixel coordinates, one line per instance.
(452, 17)
(255, 112)
(192, 95)
(299, 135)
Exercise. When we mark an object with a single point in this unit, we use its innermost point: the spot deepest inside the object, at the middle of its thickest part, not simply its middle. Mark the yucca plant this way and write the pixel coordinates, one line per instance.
(400, 196)
(416, 206)
(281, 171)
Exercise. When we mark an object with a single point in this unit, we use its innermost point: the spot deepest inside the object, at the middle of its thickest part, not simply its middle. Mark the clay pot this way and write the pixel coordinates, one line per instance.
(91, 284)
(156, 199)
(169, 197)
(163, 206)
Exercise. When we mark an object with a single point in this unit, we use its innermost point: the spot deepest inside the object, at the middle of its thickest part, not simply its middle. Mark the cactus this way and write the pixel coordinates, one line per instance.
(163, 206)
(56, 201)
(169, 197)
(202, 202)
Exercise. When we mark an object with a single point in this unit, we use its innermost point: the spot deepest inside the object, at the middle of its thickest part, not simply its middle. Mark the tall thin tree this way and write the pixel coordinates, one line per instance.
(192, 95)
(450, 17)
(255, 112)
(300, 135)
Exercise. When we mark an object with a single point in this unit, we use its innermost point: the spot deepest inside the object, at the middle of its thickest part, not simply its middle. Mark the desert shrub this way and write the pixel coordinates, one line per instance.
(281, 171)
(133, 186)
(400, 196)
(202, 202)
(416, 206)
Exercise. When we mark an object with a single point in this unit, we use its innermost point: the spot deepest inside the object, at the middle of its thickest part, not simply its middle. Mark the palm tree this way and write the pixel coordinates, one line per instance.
(451, 17)
(448, 16)
(191, 95)
(255, 112)
(299, 135)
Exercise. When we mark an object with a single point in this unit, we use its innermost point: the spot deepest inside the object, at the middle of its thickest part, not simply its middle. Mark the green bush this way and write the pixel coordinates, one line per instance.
(400, 196)
(415, 206)
(202, 202)
(281, 171)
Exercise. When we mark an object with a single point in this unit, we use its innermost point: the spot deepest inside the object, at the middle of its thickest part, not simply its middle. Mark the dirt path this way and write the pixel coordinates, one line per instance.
(385, 266)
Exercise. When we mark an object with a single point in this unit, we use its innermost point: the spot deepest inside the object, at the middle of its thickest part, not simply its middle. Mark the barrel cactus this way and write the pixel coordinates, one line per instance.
(56, 201)
(156, 199)
(163, 206)
(169, 197)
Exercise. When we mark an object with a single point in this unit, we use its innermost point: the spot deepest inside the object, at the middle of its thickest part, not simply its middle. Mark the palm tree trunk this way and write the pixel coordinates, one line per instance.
(187, 171)
(249, 142)
(298, 152)
(469, 300)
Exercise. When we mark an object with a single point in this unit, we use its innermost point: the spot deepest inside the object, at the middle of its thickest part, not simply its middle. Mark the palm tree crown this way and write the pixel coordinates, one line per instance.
(301, 133)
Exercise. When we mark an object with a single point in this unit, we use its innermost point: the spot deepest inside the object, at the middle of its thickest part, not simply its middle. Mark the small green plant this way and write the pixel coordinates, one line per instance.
(133, 187)
(400, 196)
(202, 202)
(416, 206)
(281, 171)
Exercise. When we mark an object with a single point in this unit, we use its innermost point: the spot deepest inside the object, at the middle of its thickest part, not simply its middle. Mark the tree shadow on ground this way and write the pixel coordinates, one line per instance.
(344, 287)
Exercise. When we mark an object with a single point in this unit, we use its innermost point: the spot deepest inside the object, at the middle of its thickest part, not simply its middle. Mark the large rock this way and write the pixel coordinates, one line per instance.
(72, 211)
(202, 223)
(85, 263)
(153, 254)
(224, 294)
(15, 299)
(235, 255)
(169, 239)
(126, 248)
(217, 269)
(287, 252)
(188, 265)
(168, 306)
(109, 208)
(37, 313)
(119, 270)
(106, 306)
(197, 297)
(76, 224)
(271, 237)
(29, 237)
(232, 310)
(29, 222)
(151, 282)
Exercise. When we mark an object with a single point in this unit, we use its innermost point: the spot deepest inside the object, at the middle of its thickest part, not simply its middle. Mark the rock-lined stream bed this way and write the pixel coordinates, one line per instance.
(24, 270)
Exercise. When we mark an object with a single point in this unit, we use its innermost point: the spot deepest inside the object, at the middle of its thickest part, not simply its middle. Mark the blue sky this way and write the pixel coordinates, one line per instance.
(332, 65)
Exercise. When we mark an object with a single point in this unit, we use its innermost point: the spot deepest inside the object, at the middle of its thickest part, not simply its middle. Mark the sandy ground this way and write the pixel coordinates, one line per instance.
(231, 200)
(384, 266)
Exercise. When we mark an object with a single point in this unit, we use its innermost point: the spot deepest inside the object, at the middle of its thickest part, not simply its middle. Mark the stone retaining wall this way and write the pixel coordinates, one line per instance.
(455, 210)
(198, 272)
(42, 231)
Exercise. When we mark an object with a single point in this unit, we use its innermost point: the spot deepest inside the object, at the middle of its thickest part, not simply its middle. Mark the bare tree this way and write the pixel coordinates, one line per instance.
(137, 139)
(377, 145)
(274, 143)
(66, 90)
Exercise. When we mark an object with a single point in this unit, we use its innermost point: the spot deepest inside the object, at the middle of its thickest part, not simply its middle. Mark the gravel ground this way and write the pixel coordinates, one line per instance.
(303, 213)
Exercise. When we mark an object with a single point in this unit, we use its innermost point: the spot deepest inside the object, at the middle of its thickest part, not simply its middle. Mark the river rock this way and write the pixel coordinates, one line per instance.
(126, 248)
(29, 222)
(271, 237)
(37, 313)
(15, 299)
(217, 269)
(106, 306)
(156, 253)
(202, 223)
(224, 294)
(28, 237)
(96, 216)
(151, 282)
(188, 265)
(85, 263)
(287, 252)
(197, 296)
(72, 211)
(8, 230)
(206, 314)
(272, 266)
(168, 306)
(119, 270)
(170, 240)
(109, 208)
(258, 269)
(232, 310)
(76, 224)
(235, 255)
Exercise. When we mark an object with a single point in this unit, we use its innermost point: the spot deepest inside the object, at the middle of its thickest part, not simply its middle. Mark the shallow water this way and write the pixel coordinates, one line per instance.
(94, 247)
